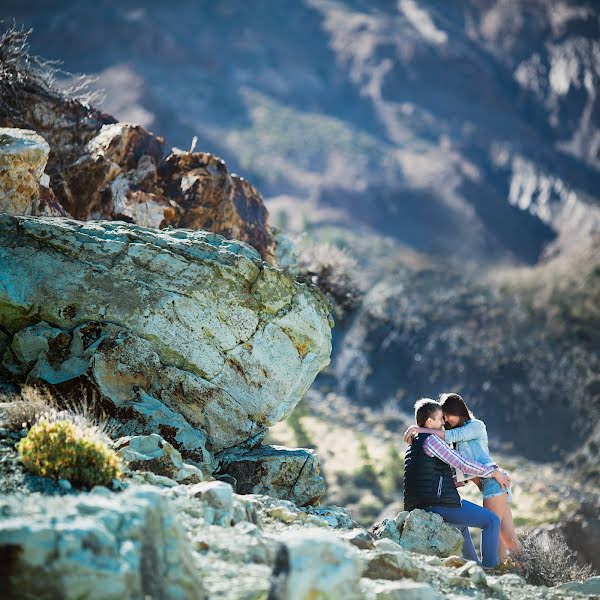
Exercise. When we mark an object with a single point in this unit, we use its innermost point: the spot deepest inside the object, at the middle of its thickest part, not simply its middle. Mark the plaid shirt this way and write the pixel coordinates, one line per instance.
(435, 447)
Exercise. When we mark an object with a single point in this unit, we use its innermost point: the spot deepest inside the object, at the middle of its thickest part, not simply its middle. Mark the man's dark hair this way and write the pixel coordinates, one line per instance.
(425, 408)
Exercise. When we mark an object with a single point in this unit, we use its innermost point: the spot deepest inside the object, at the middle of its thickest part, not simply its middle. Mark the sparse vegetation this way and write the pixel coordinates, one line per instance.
(22, 73)
(548, 560)
(67, 450)
(333, 270)
(23, 411)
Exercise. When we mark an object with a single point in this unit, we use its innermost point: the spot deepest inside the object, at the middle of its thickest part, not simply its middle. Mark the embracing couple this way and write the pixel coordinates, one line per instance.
(434, 469)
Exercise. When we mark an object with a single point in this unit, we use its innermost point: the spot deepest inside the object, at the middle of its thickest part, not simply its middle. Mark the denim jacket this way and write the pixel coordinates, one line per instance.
(471, 441)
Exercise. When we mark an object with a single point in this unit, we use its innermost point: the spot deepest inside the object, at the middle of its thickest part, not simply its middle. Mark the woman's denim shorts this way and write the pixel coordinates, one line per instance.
(490, 488)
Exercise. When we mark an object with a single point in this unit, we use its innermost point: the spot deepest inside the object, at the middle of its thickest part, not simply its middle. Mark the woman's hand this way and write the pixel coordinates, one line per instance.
(410, 433)
(502, 478)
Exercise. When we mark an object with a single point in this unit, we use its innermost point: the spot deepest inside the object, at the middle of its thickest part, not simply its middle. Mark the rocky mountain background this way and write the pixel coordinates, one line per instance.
(436, 169)
(454, 153)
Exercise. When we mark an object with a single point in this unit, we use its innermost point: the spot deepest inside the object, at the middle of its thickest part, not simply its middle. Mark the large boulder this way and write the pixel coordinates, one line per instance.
(180, 332)
(23, 157)
(287, 473)
(97, 546)
(427, 533)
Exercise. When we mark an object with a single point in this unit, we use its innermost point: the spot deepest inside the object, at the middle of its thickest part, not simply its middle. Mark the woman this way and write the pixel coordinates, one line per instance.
(470, 437)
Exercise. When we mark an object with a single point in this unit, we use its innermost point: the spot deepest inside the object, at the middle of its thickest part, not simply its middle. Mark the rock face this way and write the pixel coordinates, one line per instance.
(128, 546)
(184, 333)
(287, 473)
(23, 157)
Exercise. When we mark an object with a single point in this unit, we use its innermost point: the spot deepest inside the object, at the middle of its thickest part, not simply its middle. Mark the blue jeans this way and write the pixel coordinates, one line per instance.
(473, 515)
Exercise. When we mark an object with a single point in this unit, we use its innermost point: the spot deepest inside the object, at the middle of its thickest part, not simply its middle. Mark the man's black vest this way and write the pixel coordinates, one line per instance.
(428, 481)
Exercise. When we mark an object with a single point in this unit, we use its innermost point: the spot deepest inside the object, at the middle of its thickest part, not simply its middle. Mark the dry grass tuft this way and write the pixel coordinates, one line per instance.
(36, 404)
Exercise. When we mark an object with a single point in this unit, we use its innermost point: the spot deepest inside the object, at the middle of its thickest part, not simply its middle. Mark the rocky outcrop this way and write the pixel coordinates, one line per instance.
(99, 168)
(183, 333)
(23, 157)
(287, 473)
(105, 546)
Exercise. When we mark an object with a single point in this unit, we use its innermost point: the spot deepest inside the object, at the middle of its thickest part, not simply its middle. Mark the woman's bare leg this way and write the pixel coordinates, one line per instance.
(498, 505)
(507, 532)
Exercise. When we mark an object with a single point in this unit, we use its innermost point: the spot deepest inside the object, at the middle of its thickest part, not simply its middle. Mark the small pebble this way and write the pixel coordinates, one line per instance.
(65, 485)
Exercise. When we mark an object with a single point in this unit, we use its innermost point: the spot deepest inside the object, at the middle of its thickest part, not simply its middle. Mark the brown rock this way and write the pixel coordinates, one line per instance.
(212, 199)
(102, 169)
(23, 156)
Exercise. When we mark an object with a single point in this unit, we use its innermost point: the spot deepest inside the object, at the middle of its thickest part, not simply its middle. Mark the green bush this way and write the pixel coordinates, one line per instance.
(65, 450)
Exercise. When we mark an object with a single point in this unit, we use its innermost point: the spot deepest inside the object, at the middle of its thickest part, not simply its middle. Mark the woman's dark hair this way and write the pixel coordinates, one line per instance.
(425, 408)
(453, 404)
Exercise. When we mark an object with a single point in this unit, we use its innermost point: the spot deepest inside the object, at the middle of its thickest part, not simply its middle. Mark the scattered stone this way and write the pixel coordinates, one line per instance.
(127, 545)
(286, 473)
(360, 538)
(427, 533)
(335, 516)
(397, 590)
(152, 453)
(466, 568)
(387, 529)
(65, 485)
(477, 575)
(217, 496)
(385, 563)
(455, 561)
(315, 565)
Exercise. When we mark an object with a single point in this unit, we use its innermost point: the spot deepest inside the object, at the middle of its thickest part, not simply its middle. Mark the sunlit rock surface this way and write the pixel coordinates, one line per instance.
(190, 335)
(98, 546)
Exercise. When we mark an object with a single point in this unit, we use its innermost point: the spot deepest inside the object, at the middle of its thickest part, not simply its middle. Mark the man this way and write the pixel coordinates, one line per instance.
(429, 484)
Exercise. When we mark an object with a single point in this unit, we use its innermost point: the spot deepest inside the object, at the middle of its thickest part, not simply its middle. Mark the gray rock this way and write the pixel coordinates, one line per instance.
(386, 529)
(590, 587)
(315, 565)
(117, 546)
(336, 516)
(360, 538)
(217, 496)
(397, 590)
(290, 474)
(427, 533)
(164, 323)
(388, 563)
(152, 453)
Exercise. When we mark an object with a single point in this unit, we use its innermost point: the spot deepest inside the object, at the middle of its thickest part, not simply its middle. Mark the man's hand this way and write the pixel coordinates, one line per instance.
(502, 478)
(411, 433)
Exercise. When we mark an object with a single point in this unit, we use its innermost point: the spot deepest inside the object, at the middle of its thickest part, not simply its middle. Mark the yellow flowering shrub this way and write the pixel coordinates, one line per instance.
(64, 450)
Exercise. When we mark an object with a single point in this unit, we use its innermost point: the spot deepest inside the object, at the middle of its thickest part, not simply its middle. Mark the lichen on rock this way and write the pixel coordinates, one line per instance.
(179, 323)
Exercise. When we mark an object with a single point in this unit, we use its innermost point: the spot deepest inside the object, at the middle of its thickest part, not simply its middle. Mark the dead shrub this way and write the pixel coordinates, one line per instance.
(547, 560)
(333, 270)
